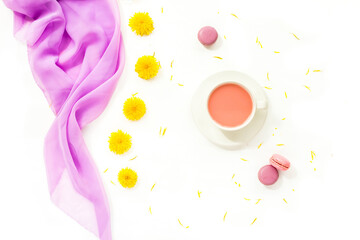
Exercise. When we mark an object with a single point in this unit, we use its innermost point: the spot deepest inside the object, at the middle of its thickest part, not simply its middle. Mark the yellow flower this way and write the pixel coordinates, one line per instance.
(127, 178)
(147, 67)
(134, 108)
(141, 23)
(119, 142)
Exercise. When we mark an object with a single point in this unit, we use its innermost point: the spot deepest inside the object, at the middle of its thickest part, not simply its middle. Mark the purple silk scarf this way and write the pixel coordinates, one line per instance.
(76, 55)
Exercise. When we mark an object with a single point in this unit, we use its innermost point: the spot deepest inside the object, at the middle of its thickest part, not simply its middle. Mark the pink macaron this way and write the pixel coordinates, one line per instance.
(268, 175)
(207, 35)
(280, 162)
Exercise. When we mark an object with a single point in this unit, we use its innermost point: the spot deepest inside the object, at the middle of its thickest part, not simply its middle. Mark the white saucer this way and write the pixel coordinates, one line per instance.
(224, 139)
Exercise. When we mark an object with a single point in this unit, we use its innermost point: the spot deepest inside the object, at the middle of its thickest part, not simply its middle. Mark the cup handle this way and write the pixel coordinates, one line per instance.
(261, 104)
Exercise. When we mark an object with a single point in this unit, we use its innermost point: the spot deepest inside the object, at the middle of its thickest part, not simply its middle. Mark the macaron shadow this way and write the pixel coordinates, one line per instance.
(218, 43)
(289, 174)
(283, 176)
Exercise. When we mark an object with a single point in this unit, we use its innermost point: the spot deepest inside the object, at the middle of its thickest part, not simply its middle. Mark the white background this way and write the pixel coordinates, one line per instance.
(324, 203)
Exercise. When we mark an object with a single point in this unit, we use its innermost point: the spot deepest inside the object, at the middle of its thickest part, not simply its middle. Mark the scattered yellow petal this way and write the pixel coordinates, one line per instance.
(253, 221)
(307, 71)
(162, 10)
(317, 71)
(314, 169)
(180, 84)
(295, 36)
(234, 15)
(106, 170)
(280, 144)
(269, 88)
(224, 216)
(133, 158)
(310, 161)
(258, 201)
(276, 52)
(307, 87)
(182, 224)
(160, 131)
(236, 183)
(134, 94)
(152, 187)
(171, 78)
(260, 145)
(164, 131)
(283, 119)
(171, 65)
(112, 182)
(150, 210)
(218, 57)
(257, 39)
(244, 159)
(313, 155)
(233, 176)
(247, 199)
(293, 190)
(199, 193)
(267, 76)
(224, 37)
(260, 44)
(285, 200)
(239, 185)
(285, 95)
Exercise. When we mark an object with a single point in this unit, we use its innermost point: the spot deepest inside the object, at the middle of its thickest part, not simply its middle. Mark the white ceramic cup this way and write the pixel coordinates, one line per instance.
(255, 106)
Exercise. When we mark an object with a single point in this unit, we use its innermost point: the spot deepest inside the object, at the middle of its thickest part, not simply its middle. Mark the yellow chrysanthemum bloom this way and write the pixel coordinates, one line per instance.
(134, 108)
(119, 142)
(141, 23)
(127, 178)
(147, 67)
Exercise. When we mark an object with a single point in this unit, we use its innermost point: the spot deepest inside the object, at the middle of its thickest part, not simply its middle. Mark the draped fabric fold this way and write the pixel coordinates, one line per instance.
(76, 55)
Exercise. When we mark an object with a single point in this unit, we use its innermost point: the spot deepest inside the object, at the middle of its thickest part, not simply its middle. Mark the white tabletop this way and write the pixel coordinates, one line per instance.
(324, 202)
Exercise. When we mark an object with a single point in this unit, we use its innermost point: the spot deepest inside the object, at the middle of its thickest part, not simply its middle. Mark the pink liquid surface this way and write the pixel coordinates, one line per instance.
(230, 105)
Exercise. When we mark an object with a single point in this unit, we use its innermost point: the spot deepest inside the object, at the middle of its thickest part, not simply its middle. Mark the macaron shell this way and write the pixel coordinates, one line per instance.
(280, 162)
(207, 35)
(268, 175)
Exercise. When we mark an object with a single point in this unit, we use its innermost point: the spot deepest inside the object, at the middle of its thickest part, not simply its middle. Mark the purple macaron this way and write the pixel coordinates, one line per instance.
(268, 175)
(207, 35)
